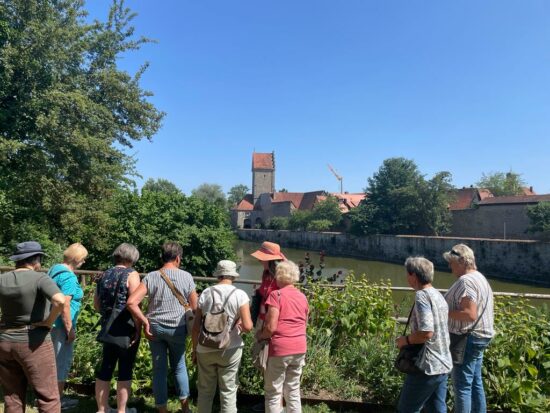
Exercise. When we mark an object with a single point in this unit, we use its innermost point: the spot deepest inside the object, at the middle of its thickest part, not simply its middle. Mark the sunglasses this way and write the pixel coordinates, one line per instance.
(453, 252)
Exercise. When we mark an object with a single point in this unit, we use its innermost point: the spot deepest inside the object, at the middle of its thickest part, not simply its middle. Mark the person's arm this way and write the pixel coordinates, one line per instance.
(66, 319)
(97, 303)
(133, 285)
(196, 331)
(270, 325)
(466, 312)
(57, 300)
(245, 321)
(418, 337)
(193, 300)
(133, 306)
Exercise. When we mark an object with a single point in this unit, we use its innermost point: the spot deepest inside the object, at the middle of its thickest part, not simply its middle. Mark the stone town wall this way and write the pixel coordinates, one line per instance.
(522, 261)
(492, 221)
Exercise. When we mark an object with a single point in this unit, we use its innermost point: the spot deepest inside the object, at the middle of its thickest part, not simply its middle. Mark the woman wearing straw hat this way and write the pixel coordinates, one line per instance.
(26, 350)
(220, 366)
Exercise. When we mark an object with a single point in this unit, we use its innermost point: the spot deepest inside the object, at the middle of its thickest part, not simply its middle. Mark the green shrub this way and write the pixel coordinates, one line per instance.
(278, 223)
(319, 225)
(517, 362)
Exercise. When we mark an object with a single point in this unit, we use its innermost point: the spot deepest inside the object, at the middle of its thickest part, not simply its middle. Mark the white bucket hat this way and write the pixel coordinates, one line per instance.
(226, 268)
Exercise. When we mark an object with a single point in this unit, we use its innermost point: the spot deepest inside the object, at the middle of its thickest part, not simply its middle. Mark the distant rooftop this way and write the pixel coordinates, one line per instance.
(263, 161)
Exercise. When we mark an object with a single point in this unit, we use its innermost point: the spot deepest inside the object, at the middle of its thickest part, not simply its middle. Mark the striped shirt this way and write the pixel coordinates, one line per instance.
(476, 287)
(164, 308)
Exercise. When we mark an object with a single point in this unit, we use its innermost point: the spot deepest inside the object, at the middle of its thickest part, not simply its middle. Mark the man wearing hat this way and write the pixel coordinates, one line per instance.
(26, 350)
(221, 366)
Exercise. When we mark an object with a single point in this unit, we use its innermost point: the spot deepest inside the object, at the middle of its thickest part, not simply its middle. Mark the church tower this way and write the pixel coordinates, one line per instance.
(263, 174)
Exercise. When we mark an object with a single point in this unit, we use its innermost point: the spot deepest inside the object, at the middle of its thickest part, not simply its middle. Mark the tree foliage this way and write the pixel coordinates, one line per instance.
(212, 193)
(401, 201)
(236, 194)
(539, 217)
(327, 210)
(152, 218)
(67, 113)
(160, 185)
(502, 184)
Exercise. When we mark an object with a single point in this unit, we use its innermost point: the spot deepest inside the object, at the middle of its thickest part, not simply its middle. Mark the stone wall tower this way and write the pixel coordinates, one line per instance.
(263, 174)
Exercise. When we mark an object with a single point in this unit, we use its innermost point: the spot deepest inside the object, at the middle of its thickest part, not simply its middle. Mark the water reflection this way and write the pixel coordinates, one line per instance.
(251, 269)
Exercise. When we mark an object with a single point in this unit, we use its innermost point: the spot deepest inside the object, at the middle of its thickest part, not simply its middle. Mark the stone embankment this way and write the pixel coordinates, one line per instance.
(512, 260)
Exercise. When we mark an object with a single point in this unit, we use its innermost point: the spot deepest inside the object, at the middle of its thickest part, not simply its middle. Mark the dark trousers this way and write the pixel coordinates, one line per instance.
(20, 365)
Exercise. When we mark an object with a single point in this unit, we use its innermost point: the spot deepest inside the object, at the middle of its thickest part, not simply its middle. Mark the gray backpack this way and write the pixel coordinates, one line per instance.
(216, 328)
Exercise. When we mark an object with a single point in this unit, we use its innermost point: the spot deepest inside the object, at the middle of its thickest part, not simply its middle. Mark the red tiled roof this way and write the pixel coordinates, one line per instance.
(528, 190)
(263, 161)
(519, 199)
(246, 203)
(464, 197)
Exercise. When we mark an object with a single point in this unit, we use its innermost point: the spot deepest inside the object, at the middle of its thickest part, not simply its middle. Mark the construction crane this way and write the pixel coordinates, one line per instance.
(341, 179)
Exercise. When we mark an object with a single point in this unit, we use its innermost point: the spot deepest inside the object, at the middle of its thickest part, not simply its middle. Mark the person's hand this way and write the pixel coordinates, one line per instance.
(135, 337)
(194, 356)
(71, 336)
(42, 324)
(400, 342)
(147, 330)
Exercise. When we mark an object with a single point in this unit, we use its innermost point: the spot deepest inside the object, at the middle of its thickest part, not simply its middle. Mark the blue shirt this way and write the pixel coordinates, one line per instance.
(68, 284)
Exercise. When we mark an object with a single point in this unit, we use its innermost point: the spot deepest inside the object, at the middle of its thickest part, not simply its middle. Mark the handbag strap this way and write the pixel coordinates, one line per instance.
(479, 318)
(408, 319)
(179, 296)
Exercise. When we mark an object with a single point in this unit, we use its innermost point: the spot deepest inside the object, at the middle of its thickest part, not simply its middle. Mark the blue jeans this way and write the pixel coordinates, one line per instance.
(168, 343)
(421, 390)
(63, 352)
(467, 380)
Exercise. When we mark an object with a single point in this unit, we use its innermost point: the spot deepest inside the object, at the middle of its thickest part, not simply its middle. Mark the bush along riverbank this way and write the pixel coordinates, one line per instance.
(351, 350)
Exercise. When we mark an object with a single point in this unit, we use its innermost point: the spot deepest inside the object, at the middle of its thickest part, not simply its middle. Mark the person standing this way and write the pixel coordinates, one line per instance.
(64, 329)
(220, 367)
(285, 327)
(428, 388)
(470, 301)
(269, 254)
(164, 325)
(113, 288)
(26, 350)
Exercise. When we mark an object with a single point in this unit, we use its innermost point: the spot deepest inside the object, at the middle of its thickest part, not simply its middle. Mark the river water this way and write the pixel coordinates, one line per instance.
(251, 269)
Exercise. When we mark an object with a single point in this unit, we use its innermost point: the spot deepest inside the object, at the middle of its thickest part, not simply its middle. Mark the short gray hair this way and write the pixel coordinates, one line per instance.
(422, 268)
(287, 272)
(125, 254)
(462, 254)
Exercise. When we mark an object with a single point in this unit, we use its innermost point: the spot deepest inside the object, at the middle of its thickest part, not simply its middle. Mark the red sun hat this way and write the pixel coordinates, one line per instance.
(269, 251)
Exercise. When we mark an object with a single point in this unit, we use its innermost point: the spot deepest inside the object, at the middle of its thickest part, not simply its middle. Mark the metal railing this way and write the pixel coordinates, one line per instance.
(84, 273)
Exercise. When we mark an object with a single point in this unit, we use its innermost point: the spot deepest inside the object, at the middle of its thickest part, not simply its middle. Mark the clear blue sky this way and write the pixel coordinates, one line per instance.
(462, 86)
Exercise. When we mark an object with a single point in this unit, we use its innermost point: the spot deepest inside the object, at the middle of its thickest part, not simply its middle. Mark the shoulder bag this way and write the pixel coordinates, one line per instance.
(189, 315)
(120, 327)
(459, 341)
(406, 359)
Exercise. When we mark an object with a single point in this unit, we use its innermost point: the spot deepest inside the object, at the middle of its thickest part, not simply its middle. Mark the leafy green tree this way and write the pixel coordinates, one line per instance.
(298, 220)
(319, 225)
(278, 223)
(211, 193)
(236, 194)
(502, 184)
(160, 185)
(401, 201)
(67, 114)
(152, 218)
(327, 210)
(539, 217)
